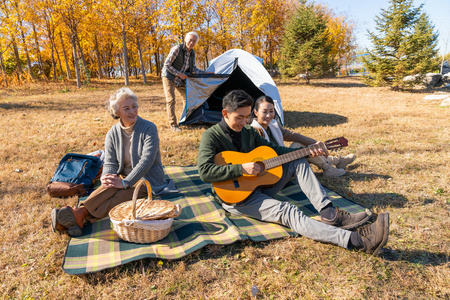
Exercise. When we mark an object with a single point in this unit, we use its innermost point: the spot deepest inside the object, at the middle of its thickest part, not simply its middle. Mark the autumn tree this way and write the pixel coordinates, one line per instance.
(10, 24)
(340, 33)
(206, 29)
(182, 16)
(3, 48)
(267, 22)
(34, 19)
(223, 34)
(53, 39)
(306, 47)
(156, 38)
(405, 44)
(242, 10)
(72, 13)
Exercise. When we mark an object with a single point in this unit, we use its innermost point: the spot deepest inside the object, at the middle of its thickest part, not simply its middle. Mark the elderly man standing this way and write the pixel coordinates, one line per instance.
(181, 60)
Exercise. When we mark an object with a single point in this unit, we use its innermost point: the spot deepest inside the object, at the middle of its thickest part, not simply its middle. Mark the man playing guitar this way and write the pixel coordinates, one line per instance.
(233, 134)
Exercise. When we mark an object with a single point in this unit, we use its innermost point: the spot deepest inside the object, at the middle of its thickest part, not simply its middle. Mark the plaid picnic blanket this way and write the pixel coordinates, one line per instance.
(202, 222)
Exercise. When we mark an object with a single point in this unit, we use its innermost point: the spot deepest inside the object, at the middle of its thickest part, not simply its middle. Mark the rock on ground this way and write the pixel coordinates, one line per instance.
(446, 102)
(433, 79)
(437, 97)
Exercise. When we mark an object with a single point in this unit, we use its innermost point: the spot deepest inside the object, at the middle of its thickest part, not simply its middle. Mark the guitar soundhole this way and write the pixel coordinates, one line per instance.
(236, 183)
(262, 165)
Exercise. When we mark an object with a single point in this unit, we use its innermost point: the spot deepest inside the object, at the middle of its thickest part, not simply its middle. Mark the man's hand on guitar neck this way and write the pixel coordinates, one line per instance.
(251, 168)
(316, 151)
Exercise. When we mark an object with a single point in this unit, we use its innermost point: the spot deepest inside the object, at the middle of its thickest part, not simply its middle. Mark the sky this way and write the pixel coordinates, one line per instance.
(363, 13)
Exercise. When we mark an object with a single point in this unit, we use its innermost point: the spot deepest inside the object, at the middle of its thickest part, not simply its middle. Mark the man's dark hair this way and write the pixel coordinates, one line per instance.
(236, 99)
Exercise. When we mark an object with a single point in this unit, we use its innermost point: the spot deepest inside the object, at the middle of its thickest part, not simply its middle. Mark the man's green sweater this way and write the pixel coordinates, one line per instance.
(215, 141)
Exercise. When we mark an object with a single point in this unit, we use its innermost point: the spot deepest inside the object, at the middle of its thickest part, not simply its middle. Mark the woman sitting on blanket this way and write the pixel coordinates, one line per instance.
(132, 152)
(264, 122)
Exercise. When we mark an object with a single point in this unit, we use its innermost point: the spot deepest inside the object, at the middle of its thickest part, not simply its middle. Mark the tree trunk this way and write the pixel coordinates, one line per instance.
(119, 56)
(38, 50)
(158, 66)
(69, 74)
(99, 62)
(150, 63)
(50, 33)
(17, 57)
(106, 55)
(75, 61)
(2, 65)
(125, 57)
(53, 61)
(81, 53)
(144, 77)
(30, 70)
(59, 58)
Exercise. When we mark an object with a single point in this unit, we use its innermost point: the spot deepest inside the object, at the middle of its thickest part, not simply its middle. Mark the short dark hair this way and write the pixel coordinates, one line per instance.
(236, 99)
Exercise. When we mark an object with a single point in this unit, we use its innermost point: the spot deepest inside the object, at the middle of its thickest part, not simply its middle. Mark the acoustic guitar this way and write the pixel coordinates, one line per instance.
(238, 189)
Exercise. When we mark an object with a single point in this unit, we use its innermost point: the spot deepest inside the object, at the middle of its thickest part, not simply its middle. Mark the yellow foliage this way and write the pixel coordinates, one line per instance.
(101, 28)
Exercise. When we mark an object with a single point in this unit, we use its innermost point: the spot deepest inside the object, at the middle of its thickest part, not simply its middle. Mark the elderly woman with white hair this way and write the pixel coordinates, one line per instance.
(131, 153)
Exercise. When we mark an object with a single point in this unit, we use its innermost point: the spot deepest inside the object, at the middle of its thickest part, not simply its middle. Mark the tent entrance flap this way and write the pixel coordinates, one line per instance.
(237, 80)
(210, 111)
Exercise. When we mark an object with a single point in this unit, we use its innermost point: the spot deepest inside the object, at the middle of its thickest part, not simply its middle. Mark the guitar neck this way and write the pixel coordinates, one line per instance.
(288, 157)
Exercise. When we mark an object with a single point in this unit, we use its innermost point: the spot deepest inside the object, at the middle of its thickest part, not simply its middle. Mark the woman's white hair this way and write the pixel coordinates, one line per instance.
(112, 104)
(192, 33)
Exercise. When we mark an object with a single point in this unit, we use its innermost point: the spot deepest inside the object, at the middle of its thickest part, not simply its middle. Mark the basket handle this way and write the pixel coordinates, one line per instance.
(136, 193)
(177, 210)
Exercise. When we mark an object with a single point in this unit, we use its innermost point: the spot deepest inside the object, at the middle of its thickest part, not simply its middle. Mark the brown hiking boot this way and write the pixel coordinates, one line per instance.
(56, 227)
(375, 235)
(72, 219)
(346, 220)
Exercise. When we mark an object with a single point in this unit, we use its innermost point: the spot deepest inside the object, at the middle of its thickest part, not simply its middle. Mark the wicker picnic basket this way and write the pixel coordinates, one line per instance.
(143, 220)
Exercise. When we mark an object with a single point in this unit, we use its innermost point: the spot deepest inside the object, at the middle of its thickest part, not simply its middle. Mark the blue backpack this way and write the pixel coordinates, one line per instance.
(78, 169)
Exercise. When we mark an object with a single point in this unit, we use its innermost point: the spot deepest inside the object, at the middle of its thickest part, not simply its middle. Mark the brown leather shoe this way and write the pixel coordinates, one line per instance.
(72, 219)
(375, 235)
(345, 220)
(56, 227)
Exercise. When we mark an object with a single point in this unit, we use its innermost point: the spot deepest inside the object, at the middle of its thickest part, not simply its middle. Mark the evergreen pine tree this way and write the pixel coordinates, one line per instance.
(405, 45)
(305, 48)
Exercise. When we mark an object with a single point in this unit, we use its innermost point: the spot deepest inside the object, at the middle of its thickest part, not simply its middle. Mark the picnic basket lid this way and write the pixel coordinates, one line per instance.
(144, 209)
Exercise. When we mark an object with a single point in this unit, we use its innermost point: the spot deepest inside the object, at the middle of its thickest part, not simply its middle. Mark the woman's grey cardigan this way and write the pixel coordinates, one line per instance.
(145, 156)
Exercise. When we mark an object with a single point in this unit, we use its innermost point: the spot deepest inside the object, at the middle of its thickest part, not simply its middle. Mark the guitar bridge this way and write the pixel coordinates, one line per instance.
(236, 183)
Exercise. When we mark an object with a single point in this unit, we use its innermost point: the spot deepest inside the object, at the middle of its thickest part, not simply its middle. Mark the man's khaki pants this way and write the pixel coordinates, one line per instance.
(169, 91)
(102, 200)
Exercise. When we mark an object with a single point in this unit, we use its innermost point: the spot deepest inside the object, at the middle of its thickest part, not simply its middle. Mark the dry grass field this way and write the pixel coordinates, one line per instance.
(402, 143)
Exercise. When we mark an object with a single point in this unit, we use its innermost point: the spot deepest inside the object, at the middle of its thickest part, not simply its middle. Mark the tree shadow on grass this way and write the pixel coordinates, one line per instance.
(312, 119)
(48, 105)
(339, 84)
(421, 257)
(152, 102)
(341, 185)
